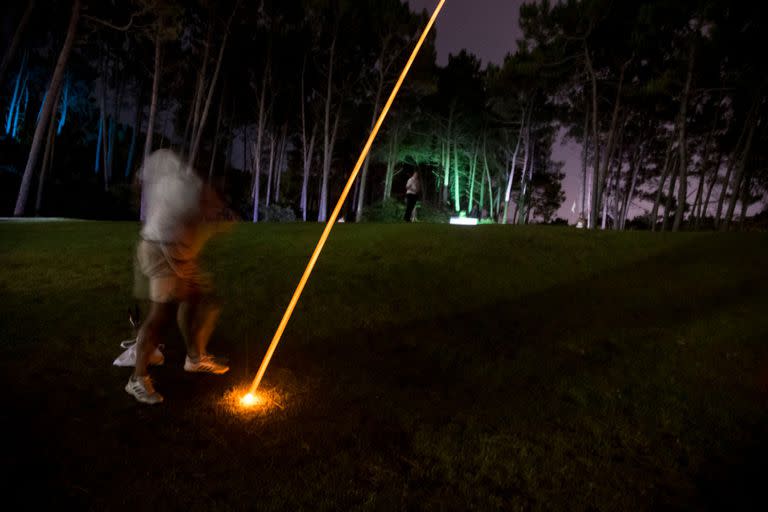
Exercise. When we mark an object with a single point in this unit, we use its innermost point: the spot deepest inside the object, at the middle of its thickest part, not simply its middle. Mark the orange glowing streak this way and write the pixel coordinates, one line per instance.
(339, 204)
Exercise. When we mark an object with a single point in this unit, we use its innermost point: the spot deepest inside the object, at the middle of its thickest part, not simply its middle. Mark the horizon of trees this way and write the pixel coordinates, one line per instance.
(271, 102)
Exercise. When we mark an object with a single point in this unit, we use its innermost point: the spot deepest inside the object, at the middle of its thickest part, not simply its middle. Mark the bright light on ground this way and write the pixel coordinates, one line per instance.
(239, 401)
(464, 221)
(249, 400)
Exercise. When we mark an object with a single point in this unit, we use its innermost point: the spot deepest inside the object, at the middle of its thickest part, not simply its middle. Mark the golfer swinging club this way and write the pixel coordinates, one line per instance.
(178, 208)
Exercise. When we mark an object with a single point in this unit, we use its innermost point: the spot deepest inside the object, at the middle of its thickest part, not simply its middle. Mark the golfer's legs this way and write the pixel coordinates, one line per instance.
(160, 316)
(197, 319)
(410, 202)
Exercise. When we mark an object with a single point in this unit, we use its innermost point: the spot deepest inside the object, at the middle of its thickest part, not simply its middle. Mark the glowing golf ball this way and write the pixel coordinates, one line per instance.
(249, 400)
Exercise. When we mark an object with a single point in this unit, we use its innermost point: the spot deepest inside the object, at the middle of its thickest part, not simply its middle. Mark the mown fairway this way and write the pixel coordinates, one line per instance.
(426, 367)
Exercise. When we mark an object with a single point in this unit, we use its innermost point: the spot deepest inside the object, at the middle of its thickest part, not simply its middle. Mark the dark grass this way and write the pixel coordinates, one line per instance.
(426, 367)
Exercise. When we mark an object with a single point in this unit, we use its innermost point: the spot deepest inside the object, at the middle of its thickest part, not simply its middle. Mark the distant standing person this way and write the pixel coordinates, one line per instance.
(412, 191)
(178, 224)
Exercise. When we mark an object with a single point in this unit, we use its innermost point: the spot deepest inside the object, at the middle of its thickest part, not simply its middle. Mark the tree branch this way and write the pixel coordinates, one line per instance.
(124, 28)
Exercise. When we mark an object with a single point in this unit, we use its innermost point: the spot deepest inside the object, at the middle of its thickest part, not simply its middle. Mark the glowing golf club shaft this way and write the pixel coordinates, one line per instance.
(339, 204)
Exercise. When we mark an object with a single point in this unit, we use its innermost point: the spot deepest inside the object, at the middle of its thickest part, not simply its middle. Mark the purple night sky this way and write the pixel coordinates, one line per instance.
(489, 29)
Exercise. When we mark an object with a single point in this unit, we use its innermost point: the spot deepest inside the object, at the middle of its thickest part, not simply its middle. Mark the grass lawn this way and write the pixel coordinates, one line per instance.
(426, 367)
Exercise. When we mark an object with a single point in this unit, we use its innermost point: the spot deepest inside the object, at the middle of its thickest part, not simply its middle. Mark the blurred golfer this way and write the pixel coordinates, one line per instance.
(179, 210)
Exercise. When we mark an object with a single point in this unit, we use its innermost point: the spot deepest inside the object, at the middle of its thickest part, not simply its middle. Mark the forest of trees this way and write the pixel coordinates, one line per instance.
(271, 101)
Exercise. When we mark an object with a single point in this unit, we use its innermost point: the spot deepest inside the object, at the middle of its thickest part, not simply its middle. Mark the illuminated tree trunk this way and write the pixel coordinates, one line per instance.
(329, 132)
(20, 28)
(584, 157)
(456, 189)
(594, 207)
(11, 120)
(45, 116)
(308, 148)
(270, 169)
(472, 176)
(281, 155)
(446, 144)
(511, 180)
(487, 171)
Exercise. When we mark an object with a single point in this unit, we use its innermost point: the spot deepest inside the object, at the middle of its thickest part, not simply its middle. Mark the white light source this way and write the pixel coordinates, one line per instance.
(464, 221)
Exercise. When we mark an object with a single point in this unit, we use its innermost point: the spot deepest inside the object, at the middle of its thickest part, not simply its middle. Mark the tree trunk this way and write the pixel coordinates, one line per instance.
(391, 163)
(216, 135)
(270, 169)
(511, 180)
(615, 209)
(447, 163)
(472, 176)
(364, 173)
(152, 112)
(106, 127)
(197, 100)
(670, 194)
(519, 210)
(636, 166)
(256, 171)
(705, 204)
(595, 135)
(738, 177)
(491, 211)
(584, 157)
(50, 141)
(682, 194)
(729, 170)
(134, 134)
(610, 144)
(746, 193)
(11, 120)
(327, 137)
(456, 184)
(654, 215)
(20, 28)
(257, 149)
(280, 160)
(48, 105)
(307, 150)
(186, 143)
(204, 116)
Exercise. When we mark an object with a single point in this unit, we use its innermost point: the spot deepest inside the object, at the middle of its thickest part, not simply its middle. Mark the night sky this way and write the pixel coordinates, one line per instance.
(489, 29)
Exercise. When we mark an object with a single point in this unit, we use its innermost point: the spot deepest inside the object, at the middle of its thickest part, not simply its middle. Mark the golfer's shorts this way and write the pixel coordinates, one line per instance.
(164, 273)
